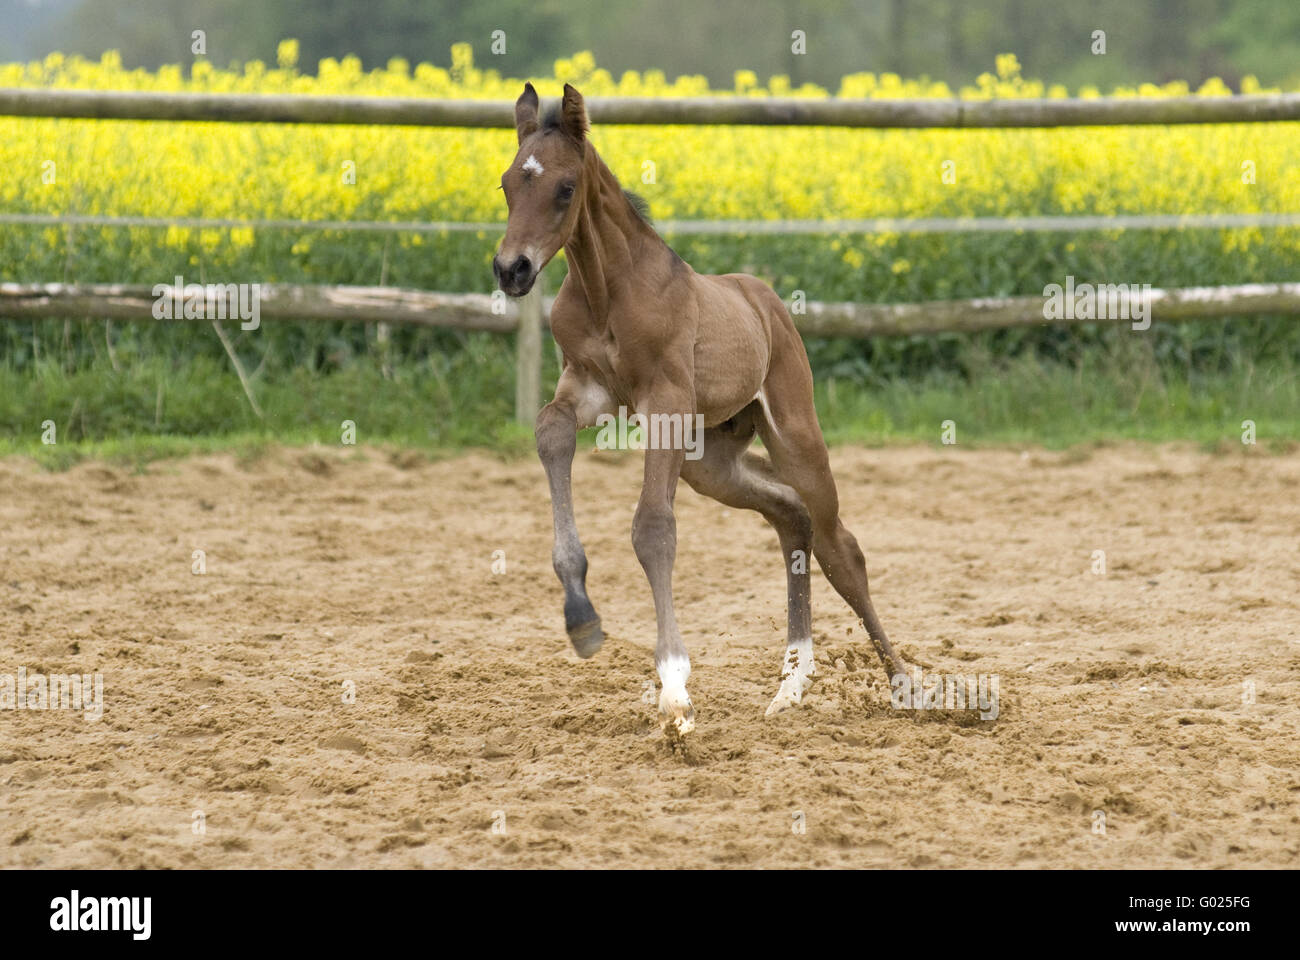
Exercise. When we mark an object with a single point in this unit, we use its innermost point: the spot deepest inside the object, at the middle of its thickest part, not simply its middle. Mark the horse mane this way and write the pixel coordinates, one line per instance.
(639, 206)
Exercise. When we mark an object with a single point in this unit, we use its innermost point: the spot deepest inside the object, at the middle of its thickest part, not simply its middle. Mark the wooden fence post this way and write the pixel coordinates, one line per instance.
(528, 355)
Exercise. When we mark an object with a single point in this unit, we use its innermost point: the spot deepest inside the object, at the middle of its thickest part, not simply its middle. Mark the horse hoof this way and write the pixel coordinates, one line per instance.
(790, 694)
(796, 677)
(587, 638)
(676, 715)
(780, 704)
(677, 722)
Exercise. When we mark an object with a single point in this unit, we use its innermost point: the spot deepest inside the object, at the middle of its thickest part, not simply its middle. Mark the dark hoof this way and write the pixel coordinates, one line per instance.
(587, 638)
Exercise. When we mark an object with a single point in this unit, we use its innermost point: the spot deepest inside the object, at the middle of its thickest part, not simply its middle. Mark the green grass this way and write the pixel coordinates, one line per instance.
(136, 392)
(136, 407)
(1104, 397)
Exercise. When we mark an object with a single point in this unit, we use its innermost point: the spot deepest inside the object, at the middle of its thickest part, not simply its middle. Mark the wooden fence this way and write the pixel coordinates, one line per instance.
(480, 312)
(778, 111)
(477, 311)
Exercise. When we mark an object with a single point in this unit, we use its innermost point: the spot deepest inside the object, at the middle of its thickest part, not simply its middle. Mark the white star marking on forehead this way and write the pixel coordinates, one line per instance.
(532, 166)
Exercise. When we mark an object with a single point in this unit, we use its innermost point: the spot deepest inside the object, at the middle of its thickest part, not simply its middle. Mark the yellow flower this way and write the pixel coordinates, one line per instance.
(286, 54)
(1008, 66)
(268, 171)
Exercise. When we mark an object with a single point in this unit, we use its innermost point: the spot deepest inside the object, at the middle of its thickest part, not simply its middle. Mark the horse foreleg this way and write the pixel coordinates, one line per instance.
(557, 438)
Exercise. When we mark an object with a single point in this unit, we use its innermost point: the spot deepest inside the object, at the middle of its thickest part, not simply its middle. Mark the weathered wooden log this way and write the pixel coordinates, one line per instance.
(780, 111)
(476, 311)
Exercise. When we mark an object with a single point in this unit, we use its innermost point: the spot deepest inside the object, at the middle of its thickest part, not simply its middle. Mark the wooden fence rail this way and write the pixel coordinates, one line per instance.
(990, 313)
(1048, 223)
(276, 301)
(476, 311)
(479, 311)
(779, 111)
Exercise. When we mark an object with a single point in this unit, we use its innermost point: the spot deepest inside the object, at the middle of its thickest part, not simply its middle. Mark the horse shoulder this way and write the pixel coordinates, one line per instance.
(570, 320)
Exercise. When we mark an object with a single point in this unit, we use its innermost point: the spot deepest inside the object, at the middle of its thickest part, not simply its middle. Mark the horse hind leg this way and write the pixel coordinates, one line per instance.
(730, 474)
(654, 539)
(791, 433)
(786, 512)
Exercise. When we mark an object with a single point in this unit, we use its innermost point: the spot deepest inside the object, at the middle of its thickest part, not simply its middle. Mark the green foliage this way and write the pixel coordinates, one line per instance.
(940, 267)
(951, 40)
(150, 407)
(137, 391)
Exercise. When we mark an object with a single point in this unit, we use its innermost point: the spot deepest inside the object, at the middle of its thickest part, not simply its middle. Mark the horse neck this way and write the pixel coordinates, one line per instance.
(610, 241)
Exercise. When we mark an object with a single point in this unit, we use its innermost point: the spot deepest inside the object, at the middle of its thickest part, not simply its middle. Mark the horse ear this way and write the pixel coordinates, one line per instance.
(573, 114)
(526, 113)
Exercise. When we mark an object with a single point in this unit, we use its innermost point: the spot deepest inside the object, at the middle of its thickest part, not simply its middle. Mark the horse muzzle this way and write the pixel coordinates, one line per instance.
(515, 278)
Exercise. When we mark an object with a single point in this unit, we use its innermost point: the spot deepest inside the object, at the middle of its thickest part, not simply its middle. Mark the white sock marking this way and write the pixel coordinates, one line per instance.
(673, 674)
(799, 659)
(799, 667)
(674, 702)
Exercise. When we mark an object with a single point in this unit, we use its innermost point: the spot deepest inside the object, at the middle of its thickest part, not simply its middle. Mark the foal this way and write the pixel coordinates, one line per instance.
(639, 328)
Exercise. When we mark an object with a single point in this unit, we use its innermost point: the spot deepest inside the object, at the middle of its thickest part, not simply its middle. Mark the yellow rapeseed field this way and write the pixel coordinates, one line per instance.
(255, 171)
(226, 170)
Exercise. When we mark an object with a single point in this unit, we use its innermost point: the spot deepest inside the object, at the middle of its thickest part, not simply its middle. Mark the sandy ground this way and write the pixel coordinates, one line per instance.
(477, 738)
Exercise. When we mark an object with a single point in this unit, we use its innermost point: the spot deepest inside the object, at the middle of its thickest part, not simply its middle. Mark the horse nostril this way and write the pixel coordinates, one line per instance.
(521, 269)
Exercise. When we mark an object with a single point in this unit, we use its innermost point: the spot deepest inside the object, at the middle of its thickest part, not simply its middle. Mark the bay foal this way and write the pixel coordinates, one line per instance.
(639, 328)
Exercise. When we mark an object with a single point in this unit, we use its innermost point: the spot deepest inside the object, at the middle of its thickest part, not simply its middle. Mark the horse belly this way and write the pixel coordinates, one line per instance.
(732, 355)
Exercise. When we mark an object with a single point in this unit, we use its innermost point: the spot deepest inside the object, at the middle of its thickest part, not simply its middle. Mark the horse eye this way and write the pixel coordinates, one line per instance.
(566, 193)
